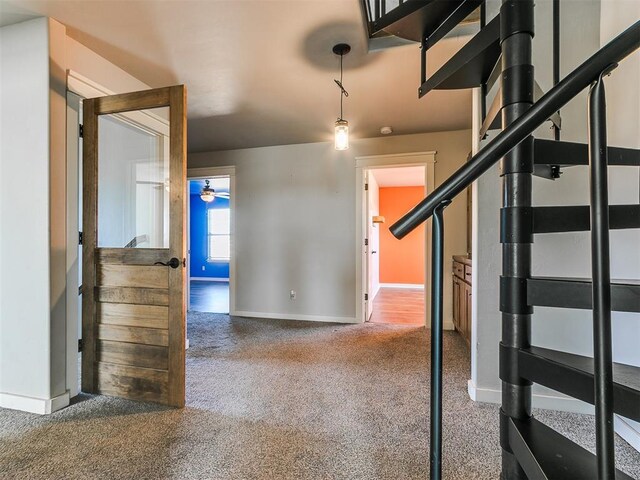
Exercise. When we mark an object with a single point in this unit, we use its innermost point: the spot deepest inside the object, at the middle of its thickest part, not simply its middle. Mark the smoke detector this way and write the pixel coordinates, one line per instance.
(386, 130)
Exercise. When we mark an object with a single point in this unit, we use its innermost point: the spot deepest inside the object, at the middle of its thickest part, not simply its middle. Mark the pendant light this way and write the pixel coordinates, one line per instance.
(341, 141)
(207, 194)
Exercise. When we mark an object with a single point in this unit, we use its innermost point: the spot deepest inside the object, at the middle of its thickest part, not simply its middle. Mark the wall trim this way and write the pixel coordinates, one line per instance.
(396, 159)
(628, 432)
(413, 286)
(294, 316)
(41, 406)
(210, 279)
(543, 401)
(85, 87)
(205, 172)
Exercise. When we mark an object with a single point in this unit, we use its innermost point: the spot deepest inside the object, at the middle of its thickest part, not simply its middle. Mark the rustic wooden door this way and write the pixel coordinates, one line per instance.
(133, 275)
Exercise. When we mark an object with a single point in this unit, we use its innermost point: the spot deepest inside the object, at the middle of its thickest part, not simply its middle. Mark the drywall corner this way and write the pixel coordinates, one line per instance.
(24, 253)
(57, 206)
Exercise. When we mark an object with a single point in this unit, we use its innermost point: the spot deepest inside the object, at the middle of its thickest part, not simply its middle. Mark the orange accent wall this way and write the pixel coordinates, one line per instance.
(401, 261)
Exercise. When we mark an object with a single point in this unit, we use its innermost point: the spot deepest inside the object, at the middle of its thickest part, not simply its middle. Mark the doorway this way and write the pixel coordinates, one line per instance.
(210, 240)
(392, 285)
(209, 244)
(131, 255)
(396, 272)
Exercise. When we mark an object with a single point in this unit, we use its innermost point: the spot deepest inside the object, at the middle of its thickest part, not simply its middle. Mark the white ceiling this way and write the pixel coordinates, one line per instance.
(261, 72)
(399, 176)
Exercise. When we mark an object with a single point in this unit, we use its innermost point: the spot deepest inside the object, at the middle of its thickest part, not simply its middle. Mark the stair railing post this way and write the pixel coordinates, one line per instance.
(601, 284)
(437, 257)
(516, 232)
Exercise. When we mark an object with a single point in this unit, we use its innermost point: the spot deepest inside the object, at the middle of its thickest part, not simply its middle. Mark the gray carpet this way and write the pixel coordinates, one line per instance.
(271, 399)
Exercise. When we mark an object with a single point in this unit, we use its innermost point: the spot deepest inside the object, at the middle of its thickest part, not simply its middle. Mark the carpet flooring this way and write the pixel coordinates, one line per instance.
(270, 399)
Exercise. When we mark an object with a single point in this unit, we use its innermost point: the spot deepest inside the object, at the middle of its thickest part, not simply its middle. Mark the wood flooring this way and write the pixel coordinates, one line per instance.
(398, 306)
(212, 297)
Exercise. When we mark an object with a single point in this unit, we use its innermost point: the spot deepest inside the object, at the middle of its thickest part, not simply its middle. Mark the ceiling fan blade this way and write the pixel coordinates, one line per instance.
(222, 195)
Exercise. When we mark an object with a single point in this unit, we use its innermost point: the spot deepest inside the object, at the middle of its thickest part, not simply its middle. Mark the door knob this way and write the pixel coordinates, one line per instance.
(173, 263)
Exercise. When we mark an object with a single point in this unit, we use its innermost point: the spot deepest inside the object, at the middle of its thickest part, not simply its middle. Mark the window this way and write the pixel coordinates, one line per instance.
(219, 230)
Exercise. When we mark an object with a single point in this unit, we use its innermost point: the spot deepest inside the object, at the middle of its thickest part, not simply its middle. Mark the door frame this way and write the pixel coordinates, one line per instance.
(83, 87)
(427, 160)
(212, 172)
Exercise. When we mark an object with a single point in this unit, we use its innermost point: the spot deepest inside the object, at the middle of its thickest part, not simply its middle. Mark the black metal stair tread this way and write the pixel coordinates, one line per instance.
(573, 375)
(418, 19)
(577, 218)
(576, 293)
(471, 65)
(544, 453)
(493, 119)
(618, 281)
(551, 152)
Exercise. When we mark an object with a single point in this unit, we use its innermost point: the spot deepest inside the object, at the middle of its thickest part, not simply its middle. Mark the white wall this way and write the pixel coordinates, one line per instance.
(32, 249)
(623, 128)
(24, 255)
(295, 221)
(563, 254)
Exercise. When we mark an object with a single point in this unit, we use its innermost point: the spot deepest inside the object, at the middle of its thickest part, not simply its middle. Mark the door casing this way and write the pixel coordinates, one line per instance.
(426, 159)
(212, 172)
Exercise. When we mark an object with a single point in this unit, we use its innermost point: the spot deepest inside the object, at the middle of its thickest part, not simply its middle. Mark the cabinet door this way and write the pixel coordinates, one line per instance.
(456, 303)
(467, 320)
(463, 308)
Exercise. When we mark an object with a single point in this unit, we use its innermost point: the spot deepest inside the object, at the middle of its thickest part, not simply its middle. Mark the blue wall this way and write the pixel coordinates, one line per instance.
(198, 227)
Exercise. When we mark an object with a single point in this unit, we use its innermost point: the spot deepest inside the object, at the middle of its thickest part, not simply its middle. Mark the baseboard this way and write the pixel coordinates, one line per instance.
(416, 286)
(628, 430)
(287, 316)
(209, 279)
(542, 401)
(41, 406)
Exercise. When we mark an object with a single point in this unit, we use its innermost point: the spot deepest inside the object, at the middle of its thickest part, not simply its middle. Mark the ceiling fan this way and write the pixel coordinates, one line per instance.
(208, 194)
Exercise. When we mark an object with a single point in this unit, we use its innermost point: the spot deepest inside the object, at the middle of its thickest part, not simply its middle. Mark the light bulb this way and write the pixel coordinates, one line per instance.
(207, 196)
(342, 135)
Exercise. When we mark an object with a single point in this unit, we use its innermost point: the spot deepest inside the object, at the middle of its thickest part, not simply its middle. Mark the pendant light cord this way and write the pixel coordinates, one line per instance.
(343, 92)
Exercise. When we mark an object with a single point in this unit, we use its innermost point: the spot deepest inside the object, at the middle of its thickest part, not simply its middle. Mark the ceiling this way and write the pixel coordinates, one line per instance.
(218, 184)
(399, 176)
(260, 72)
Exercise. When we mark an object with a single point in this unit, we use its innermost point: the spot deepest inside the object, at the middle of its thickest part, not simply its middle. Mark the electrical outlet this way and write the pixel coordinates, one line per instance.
(203, 268)
(292, 295)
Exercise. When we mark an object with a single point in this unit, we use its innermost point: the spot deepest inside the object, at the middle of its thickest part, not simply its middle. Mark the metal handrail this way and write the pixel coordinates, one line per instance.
(605, 58)
(601, 281)
(437, 254)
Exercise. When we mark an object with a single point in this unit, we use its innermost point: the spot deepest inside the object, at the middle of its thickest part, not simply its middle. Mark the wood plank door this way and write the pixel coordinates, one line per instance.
(133, 275)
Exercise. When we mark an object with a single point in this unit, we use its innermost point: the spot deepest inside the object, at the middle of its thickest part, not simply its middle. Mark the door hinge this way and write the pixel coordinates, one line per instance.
(80, 344)
(80, 131)
(366, 186)
(366, 241)
(366, 297)
(79, 238)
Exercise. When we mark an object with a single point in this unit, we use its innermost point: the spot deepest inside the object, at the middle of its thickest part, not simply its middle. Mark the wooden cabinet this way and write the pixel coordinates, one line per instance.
(462, 296)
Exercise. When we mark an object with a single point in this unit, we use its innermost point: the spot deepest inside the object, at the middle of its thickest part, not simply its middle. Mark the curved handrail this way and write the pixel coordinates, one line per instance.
(609, 55)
